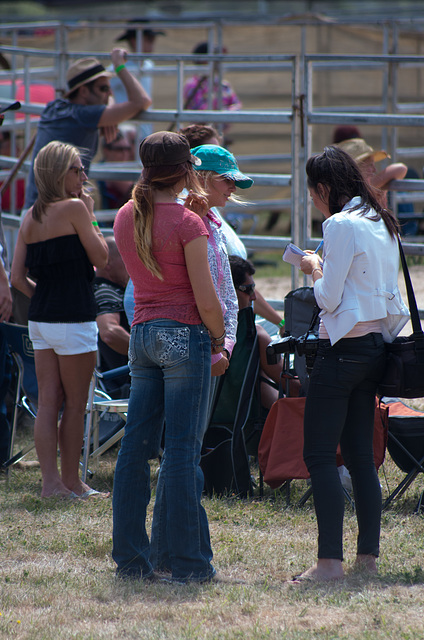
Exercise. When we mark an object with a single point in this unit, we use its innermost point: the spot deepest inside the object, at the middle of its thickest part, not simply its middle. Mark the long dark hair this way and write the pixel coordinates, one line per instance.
(340, 174)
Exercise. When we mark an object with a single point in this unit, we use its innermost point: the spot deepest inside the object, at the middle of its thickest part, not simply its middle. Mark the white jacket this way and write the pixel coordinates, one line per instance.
(360, 273)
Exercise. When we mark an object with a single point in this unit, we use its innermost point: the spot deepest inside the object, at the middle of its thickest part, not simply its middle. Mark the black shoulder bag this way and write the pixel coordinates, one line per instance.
(404, 374)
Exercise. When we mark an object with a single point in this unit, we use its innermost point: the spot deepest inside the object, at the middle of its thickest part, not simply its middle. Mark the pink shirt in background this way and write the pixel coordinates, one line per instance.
(174, 226)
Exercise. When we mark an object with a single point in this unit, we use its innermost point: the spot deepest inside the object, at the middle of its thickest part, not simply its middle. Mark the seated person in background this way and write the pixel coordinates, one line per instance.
(115, 193)
(114, 331)
(199, 134)
(242, 271)
(366, 157)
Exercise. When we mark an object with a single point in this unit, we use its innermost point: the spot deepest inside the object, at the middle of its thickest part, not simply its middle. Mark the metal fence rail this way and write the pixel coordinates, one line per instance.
(304, 117)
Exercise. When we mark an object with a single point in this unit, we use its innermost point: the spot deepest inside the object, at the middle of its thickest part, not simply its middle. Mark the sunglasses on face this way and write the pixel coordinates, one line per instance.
(104, 88)
(246, 288)
(78, 170)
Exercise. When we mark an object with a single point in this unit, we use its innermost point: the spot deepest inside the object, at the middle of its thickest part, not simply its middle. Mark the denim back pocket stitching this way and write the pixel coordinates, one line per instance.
(132, 351)
(172, 343)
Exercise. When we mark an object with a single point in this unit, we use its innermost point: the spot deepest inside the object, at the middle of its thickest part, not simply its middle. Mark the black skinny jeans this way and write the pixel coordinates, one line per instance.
(340, 408)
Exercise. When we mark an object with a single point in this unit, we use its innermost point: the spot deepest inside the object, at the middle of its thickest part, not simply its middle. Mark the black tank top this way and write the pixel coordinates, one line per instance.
(63, 275)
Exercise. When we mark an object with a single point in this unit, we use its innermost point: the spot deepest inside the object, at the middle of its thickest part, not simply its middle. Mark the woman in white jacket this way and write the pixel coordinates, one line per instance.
(356, 287)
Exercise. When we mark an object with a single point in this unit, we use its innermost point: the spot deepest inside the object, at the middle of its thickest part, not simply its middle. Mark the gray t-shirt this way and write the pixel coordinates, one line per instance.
(67, 122)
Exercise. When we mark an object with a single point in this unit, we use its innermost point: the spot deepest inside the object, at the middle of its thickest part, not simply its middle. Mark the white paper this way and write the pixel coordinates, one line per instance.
(293, 255)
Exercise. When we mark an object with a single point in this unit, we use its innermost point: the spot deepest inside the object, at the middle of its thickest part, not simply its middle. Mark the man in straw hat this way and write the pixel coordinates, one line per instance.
(77, 117)
(366, 158)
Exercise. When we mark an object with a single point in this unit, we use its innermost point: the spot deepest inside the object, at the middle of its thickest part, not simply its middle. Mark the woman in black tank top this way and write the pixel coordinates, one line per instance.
(58, 243)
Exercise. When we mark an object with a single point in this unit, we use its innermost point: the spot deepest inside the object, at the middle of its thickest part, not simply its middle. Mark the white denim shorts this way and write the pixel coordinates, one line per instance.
(65, 338)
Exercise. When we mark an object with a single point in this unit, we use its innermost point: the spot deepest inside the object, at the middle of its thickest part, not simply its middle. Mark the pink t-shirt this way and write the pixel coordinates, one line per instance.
(174, 226)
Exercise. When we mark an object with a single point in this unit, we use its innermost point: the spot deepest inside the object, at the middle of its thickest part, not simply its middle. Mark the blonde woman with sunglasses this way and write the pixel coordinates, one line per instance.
(58, 244)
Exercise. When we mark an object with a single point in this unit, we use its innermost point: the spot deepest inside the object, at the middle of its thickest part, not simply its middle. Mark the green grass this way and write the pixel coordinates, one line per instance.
(57, 575)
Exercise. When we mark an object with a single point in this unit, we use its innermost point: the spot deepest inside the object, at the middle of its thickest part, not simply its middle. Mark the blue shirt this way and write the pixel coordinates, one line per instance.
(65, 121)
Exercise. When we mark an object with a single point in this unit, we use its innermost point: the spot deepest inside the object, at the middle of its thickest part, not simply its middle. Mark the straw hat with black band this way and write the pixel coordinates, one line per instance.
(83, 71)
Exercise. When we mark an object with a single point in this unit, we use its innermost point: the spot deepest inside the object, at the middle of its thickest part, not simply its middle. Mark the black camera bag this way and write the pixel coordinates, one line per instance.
(404, 374)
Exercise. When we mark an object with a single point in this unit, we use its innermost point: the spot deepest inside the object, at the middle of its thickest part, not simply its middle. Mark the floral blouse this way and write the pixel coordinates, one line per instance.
(222, 279)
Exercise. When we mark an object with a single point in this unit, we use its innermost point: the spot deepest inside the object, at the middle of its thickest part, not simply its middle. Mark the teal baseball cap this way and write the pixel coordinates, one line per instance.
(221, 161)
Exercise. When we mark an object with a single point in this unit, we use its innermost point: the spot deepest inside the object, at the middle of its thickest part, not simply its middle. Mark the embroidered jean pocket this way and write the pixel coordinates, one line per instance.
(132, 351)
(170, 344)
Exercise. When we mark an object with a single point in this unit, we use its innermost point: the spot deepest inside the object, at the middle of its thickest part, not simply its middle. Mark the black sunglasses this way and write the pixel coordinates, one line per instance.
(246, 288)
(78, 170)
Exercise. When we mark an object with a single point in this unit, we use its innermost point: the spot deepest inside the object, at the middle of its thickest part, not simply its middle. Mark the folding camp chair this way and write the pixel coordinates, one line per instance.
(406, 446)
(105, 421)
(107, 429)
(26, 390)
(281, 445)
(236, 422)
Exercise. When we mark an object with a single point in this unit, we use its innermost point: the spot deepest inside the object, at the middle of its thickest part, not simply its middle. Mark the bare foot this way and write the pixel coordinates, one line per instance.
(56, 490)
(366, 562)
(325, 569)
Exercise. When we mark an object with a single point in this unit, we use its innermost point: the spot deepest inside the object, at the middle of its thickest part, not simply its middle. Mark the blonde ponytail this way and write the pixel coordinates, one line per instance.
(143, 226)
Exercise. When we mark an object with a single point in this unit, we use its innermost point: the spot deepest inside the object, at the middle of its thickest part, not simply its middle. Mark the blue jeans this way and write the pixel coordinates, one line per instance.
(340, 407)
(170, 367)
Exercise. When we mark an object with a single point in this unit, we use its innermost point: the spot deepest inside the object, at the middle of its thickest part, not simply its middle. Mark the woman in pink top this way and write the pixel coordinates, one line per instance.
(178, 322)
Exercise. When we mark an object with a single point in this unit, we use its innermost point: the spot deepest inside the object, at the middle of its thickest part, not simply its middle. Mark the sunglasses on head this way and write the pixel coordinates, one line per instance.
(246, 288)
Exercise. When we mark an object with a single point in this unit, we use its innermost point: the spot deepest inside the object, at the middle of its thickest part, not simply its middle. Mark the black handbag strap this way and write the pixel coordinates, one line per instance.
(412, 303)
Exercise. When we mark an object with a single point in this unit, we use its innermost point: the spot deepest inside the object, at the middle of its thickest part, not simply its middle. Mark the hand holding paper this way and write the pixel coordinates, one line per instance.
(293, 255)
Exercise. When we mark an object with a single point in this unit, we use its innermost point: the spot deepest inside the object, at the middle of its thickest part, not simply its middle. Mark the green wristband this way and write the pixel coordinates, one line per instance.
(282, 323)
(94, 223)
(119, 68)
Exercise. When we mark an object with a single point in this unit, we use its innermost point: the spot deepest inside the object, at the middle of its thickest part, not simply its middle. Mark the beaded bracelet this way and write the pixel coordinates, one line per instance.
(119, 68)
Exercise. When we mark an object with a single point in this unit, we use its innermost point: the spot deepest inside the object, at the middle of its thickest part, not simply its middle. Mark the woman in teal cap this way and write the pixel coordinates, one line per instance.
(220, 176)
